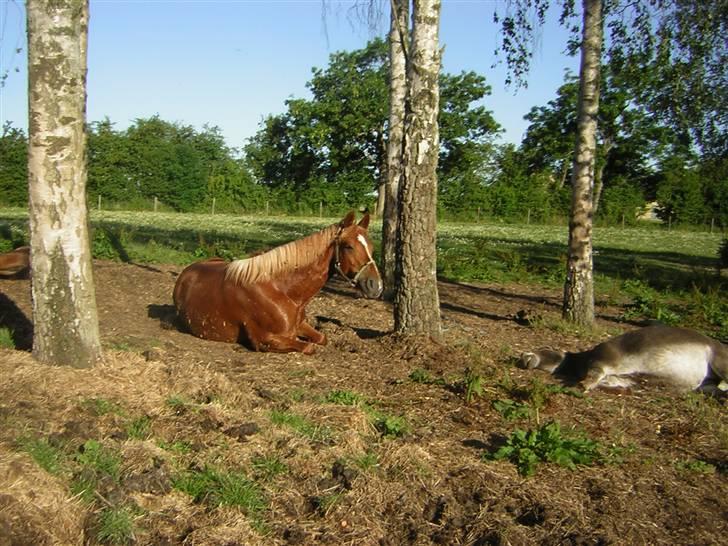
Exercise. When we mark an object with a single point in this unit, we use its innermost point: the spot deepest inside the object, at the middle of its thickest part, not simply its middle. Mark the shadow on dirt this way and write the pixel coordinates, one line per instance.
(166, 314)
(20, 327)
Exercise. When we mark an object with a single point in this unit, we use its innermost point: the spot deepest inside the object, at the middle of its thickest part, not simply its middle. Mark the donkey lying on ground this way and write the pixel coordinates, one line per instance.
(16, 262)
(681, 357)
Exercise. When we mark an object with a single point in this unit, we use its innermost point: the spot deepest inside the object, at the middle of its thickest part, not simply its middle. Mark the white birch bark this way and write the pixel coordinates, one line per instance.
(398, 36)
(579, 286)
(64, 304)
(416, 304)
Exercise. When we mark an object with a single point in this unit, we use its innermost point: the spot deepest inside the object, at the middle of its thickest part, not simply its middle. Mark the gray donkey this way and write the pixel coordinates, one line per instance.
(681, 357)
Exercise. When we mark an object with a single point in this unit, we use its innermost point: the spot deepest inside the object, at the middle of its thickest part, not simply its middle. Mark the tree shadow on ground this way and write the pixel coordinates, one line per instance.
(20, 327)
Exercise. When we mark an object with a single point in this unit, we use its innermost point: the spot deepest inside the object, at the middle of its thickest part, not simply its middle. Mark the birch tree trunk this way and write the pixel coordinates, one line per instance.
(65, 319)
(607, 146)
(579, 285)
(417, 304)
(398, 36)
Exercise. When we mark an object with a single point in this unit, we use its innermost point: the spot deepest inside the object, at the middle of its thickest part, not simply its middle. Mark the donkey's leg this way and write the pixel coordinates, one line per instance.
(307, 331)
(711, 386)
(594, 376)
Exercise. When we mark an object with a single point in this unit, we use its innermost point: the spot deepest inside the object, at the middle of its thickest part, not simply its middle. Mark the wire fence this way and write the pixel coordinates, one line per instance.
(321, 209)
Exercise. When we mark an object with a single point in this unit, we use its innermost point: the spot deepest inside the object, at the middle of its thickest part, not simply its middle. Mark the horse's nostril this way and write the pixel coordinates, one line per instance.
(374, 287)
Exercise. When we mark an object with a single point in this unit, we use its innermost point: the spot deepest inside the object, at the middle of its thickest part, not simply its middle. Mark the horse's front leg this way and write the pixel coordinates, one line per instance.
(277, 343)
(305, 330)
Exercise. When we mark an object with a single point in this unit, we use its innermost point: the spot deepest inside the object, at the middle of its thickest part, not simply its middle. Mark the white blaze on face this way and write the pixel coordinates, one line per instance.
(363, 241)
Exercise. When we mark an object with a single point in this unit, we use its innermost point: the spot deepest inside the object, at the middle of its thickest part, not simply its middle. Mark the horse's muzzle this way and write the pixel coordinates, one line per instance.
(371, 286)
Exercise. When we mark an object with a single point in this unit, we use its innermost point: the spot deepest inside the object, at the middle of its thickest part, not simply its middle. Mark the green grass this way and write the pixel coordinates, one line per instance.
(677, 265)
(115, 526)
(139, 428)
(343, 398)
(100, 459)
(101, 406)
(301, 425)
(268, 467)
(366, 461)
(177, 447)
(6, 339)
(531, 248)
(390, 426)
(178, 403)
(695, 465)
(217, 487)
(50, 458)
(418, 375)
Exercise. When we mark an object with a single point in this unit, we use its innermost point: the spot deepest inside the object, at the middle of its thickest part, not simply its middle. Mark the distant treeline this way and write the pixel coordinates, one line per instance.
(328, 152)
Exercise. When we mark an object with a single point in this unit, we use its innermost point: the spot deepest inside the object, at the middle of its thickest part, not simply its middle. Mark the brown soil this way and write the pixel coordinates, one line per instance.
(662, 480)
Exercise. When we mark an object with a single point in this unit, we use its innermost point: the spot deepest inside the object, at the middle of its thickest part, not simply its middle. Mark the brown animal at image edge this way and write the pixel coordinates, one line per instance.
(682, 357)
(261, 301)
(16, 262)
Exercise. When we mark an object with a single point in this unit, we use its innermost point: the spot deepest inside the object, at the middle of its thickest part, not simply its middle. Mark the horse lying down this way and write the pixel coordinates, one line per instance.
(680, 357)
(15, 263)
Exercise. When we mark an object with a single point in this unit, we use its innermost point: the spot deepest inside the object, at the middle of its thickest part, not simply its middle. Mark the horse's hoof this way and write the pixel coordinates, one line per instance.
(309, 349)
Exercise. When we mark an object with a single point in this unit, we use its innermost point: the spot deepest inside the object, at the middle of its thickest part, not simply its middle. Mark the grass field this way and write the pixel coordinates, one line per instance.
(671, 275)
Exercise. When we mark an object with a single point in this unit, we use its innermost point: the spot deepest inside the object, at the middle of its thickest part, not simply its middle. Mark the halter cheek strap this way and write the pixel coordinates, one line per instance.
(337, 263)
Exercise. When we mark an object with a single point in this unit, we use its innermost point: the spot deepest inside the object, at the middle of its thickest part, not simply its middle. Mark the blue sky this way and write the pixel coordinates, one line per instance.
(231, 63)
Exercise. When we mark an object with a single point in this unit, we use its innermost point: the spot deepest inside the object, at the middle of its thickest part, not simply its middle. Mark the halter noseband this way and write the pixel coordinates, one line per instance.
(337, 263)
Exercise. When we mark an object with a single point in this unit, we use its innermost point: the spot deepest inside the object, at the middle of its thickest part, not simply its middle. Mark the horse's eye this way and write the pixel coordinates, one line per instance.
(347, 247)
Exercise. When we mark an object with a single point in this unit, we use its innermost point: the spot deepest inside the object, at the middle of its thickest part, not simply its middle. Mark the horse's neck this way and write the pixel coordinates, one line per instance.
(308, 280)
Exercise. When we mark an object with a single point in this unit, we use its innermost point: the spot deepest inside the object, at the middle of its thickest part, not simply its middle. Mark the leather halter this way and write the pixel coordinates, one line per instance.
(337, 263)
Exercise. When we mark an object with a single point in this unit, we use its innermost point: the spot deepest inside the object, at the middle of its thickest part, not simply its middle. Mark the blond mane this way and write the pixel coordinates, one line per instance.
(282, 259)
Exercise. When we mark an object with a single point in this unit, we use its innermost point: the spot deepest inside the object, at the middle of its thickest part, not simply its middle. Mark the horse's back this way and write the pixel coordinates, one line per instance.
(199, 298)
(197, 275)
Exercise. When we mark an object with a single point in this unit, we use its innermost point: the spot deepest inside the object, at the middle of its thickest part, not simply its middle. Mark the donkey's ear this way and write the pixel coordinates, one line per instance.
(348, 219)
(364, 222)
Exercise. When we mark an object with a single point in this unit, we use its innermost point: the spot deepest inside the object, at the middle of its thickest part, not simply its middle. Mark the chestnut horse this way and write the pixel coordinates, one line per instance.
(15, 263)
(261, 301)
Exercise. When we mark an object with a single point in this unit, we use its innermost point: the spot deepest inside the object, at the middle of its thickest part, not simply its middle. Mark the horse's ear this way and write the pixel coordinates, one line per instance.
(348, 219)
(364, 222)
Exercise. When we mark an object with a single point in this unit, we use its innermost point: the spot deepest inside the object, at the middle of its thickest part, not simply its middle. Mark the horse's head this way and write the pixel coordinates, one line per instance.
(353, 251)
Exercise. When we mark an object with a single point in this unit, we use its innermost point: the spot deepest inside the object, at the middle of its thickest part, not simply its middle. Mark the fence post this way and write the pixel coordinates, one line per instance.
(99, 202)
(156, 202)
(528, 217)
(267, 209)
(622, 220)
(712, 224)
(321, 209)
(213, 205)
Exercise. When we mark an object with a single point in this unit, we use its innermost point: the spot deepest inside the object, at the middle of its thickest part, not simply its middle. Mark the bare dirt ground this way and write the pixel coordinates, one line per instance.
(662, 478)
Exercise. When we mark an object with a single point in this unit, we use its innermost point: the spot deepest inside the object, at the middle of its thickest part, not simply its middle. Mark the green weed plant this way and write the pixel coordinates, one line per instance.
(343, 398)
(527, 448)
(511, 410)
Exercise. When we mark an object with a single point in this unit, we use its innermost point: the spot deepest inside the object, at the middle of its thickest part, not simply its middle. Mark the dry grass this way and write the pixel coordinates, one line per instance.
(324, 470)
